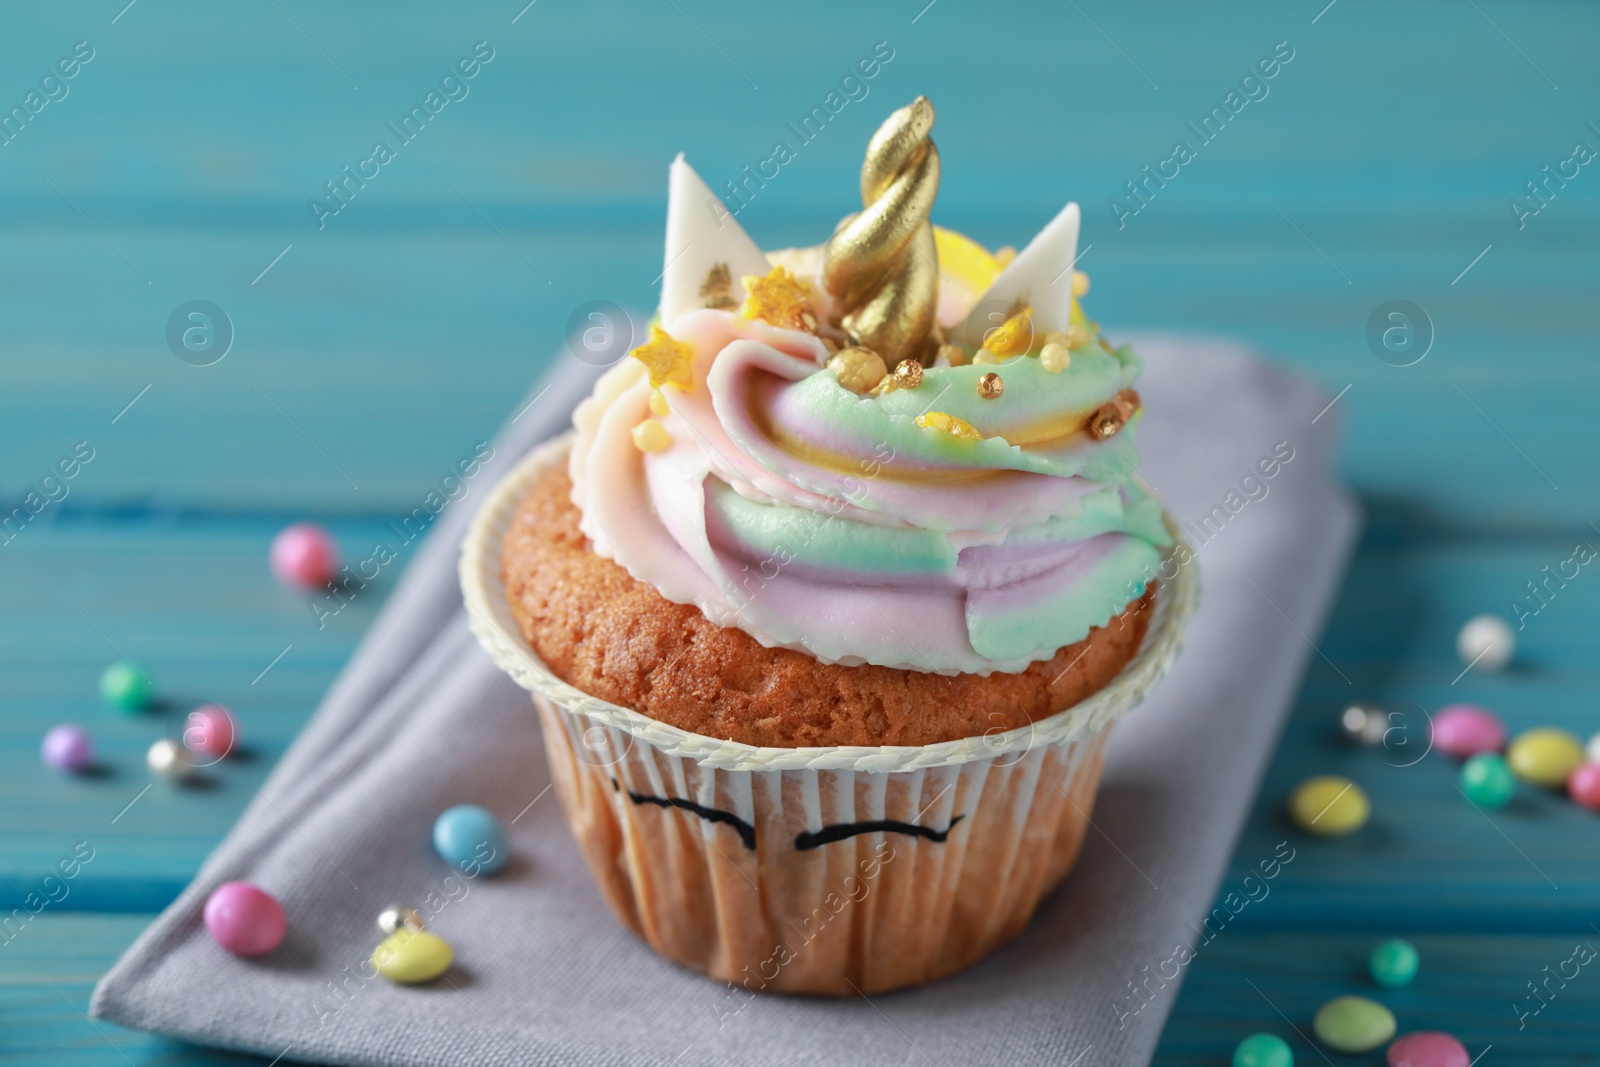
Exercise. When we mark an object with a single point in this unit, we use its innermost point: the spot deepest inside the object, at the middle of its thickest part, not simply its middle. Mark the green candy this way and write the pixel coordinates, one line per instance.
(127, 688)
(1393, 963)
(1263, 1050)
(1487, 780)
(1353, 1024)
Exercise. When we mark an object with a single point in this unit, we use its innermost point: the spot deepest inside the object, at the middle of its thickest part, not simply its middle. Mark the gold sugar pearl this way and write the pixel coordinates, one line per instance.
(908, 374)
(990, 386)
(953, 355)
(651, 436)
(658, 404)
(858, 369)
(1078, 335)
(1055, 358)
(1113, 415)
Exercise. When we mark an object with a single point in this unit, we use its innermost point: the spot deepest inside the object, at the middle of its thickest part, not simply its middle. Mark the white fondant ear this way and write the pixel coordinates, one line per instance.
(701, 233)
(1040, 276)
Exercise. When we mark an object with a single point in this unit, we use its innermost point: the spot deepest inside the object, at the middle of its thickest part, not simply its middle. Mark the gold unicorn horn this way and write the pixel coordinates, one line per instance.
(880, 264)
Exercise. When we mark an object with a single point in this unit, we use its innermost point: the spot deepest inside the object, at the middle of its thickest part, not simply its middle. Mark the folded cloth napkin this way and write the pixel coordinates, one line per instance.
(421, 720)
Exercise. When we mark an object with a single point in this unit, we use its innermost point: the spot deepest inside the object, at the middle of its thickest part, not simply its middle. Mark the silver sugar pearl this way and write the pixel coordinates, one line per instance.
(397, 916)
(1365, 723)
(170, 760)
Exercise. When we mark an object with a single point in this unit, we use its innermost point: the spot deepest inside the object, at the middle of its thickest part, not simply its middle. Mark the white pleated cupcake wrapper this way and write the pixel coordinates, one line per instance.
(679, 829)
(489, 615)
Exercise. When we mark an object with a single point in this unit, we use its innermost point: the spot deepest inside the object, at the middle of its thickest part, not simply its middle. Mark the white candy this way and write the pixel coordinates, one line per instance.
(1593, 751)
(171, 760)
(1487, 641)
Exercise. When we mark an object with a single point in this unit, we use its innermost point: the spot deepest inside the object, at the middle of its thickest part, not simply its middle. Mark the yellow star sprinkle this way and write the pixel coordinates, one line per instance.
(779, 299)
(961, 428)
(668, 358)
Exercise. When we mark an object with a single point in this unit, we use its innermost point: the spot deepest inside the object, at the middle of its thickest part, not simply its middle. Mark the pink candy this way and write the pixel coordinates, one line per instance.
(304, 555)
(245, 920)
(1427, 1048)
(1584, 785)
(1464, 730)
(211, 731)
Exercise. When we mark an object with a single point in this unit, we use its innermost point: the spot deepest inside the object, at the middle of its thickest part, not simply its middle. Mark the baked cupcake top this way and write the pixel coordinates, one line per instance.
(894, 448)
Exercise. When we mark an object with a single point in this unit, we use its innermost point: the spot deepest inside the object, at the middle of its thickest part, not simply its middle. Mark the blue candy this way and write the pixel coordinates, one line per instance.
(471, 838)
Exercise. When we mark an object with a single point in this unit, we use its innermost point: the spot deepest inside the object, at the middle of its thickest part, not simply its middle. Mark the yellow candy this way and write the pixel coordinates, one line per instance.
(658, 404)
(1080, 283)
(1329, 805)
(412, 956)
(1545, 756)
(950, 424)
(651, 436)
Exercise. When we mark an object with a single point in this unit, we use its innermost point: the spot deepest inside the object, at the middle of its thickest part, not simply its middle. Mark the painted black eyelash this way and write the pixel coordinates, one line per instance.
(747, 833)
(828, 834)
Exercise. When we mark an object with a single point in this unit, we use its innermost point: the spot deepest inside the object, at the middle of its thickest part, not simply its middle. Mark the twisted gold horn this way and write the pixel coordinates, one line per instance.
(880, 264)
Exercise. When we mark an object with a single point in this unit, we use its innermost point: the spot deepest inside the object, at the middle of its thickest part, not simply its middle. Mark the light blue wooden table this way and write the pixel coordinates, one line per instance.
(369, 355)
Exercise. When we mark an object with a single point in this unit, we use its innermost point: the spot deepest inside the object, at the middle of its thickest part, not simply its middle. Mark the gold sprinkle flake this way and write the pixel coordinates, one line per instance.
(717, 290)
(959, 428)
(668, 358)
(780, 299)
(651, 436)
(858, 369)
(1109, 418)
(907, 374)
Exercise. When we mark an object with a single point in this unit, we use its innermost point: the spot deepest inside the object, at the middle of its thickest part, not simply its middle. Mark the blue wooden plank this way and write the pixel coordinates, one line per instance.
(1474, 987)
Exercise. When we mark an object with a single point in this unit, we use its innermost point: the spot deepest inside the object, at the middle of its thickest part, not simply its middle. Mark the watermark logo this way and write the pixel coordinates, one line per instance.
(200, 333)
(600, 333)
(1400, 333)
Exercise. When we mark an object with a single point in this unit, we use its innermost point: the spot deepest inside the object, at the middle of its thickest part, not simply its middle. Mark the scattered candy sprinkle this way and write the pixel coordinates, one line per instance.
(1393, 963)
(1545, 756)
(1463, 730)
(67, 748)
(125, 687)
(304, 556)
(1329, 805)
(1427, 1048)
(471, 838)
(1353, 1024)
(1487, 780)
(1263, 1050)
(1486, 642)
(244, 919)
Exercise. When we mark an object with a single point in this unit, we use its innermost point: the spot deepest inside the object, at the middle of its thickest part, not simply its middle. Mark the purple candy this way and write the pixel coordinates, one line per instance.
(67, 748)
(1427, 1048)
(1464, 730)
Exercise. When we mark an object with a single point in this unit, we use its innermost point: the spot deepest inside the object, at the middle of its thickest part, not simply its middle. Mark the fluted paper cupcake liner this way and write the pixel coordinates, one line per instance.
(825, 870)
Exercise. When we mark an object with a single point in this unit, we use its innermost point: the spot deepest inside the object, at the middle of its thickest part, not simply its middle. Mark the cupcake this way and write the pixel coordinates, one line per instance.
(829, 602)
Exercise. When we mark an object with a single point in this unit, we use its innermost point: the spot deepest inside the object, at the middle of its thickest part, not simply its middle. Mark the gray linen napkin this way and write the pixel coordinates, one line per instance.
(420, 720)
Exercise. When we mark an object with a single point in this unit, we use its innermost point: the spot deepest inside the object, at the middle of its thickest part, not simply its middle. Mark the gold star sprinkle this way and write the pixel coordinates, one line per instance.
(668, 358)
(958, 428)
(779, 299)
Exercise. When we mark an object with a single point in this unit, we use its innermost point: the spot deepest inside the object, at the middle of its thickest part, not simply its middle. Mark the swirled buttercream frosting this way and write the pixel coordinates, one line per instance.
(969, 508)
